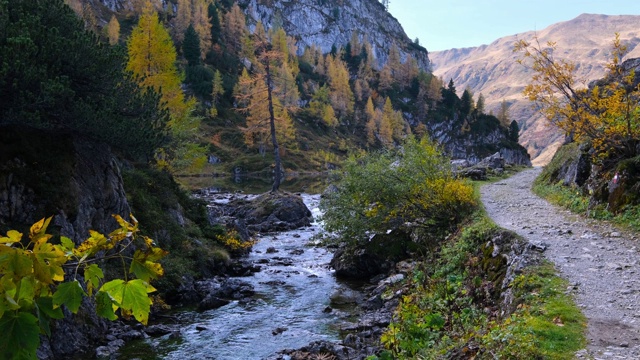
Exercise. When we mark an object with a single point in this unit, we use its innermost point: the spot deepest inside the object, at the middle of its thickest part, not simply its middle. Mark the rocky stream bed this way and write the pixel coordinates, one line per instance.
(288, 304)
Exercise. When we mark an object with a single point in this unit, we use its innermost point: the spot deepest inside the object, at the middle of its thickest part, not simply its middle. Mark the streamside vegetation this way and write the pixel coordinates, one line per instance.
(462, 299)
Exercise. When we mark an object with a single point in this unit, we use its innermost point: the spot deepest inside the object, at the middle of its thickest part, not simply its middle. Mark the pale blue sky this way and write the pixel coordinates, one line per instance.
(446, 24)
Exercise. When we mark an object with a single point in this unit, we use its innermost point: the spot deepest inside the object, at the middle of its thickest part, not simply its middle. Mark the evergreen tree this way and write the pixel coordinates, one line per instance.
(514, 131)
(214, 19)
(466, 103)
(480, 104)
(55, 76)
(191, 46)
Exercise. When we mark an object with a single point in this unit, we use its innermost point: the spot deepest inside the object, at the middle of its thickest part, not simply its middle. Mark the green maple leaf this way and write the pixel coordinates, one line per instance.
(69, 294)
(105, 306)
(20, 335)
(92, 276)
(131, 297)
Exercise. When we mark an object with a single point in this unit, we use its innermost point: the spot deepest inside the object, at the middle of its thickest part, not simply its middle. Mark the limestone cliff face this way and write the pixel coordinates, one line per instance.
(479, 143)
(331, 22)
(493, 71)
(325, 23)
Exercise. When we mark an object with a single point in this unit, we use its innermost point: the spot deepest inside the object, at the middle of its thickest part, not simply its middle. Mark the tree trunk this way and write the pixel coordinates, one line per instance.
(277, 176)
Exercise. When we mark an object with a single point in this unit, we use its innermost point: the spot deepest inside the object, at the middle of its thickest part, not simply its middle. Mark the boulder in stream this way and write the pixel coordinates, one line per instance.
(273, 212)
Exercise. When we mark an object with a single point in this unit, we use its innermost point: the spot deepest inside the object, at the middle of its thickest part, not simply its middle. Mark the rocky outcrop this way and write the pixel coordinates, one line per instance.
(331, 23)
(79, 182)
(486, 138)
(378, 256)
(76, 180)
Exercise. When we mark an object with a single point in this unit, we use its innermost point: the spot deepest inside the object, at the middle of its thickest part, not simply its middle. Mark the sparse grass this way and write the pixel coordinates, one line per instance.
(573, 200)
(455, 285)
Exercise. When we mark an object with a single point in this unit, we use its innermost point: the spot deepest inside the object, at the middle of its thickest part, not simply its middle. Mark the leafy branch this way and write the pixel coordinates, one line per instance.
(33, 287)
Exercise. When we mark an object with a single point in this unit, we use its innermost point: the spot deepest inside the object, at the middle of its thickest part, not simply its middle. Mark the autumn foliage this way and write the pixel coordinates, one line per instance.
(605, 113)
(38, 278)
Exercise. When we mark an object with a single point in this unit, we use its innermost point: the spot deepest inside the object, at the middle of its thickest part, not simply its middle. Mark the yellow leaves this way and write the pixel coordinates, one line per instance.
(47, 262)
(32, 277)
(12, 237)
(605, 114)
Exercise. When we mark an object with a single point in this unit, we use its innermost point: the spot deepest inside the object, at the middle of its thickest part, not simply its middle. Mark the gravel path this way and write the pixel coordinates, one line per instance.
(601, 263)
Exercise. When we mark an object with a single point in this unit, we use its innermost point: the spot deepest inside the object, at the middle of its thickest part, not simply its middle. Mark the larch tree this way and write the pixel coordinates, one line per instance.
(503, 114)
(341, 94)
(182, 20)
(257, 97)
(152, 59)
(234, 29)
(113, 30)
(371, 127)
(202, 25)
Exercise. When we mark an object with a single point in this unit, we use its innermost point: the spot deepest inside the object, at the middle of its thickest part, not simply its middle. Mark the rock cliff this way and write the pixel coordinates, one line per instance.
(492, 69)
(326, 23)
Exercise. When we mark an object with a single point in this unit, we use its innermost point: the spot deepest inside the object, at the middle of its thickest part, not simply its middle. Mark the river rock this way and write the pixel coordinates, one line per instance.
(212, 302)
(158, 330)
(344, 297)
(378, 256)
(272, 212)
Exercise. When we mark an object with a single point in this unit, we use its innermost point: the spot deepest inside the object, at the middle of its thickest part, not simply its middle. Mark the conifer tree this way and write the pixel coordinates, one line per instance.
(201, 24)
(191, 46)
(113, 30)
(257, 97)
(234, 28)
(214, 19)
(152, 58)
(503, 114)
(341, 95)
(480, 104)
(371, 122)
(182, 20)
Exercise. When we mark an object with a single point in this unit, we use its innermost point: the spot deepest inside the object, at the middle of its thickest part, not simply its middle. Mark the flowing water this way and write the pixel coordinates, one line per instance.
(292, 292)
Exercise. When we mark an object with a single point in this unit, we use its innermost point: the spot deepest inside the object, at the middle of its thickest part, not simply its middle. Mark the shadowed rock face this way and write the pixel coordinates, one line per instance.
(76, 180)
(492, 69)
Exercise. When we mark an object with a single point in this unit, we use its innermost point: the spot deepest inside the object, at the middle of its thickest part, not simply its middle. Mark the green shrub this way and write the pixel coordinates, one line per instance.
(383, 191)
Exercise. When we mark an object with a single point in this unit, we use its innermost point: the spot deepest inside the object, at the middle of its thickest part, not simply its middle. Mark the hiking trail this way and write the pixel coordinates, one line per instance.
(601, 262)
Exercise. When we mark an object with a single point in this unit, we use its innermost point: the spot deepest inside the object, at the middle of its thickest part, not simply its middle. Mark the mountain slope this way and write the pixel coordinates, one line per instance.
(493, 71)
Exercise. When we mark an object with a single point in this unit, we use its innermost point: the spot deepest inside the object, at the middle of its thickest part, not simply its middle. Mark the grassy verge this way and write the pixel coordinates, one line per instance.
(452, 306)
(574, 200)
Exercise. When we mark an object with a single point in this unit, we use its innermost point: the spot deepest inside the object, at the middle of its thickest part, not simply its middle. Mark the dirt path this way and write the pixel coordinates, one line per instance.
(601, 263)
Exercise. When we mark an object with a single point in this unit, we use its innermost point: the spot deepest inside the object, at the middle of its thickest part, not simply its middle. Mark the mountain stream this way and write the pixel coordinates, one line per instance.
(289, 310)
